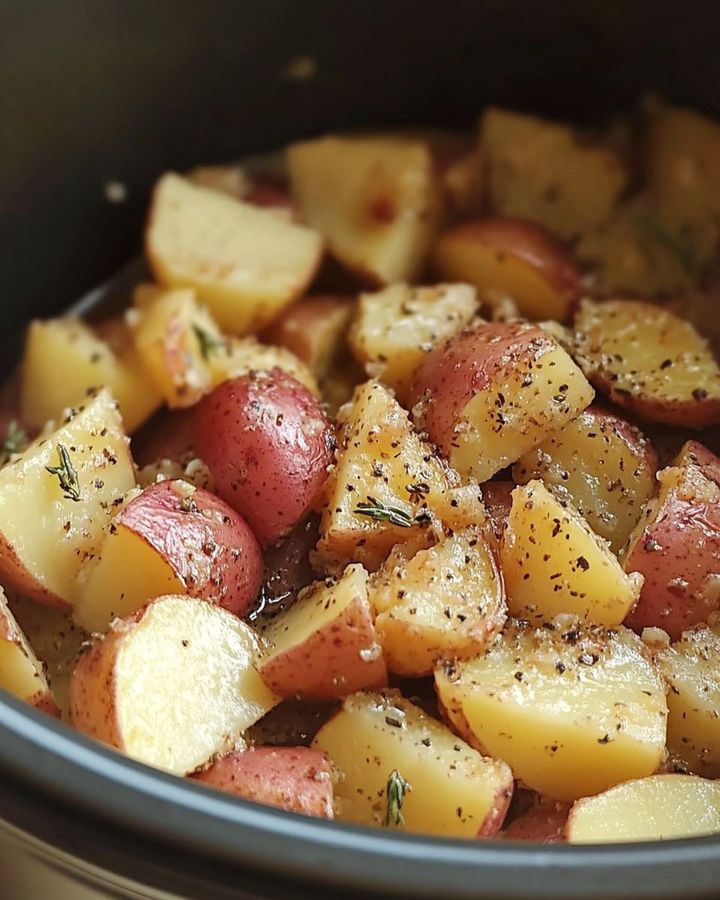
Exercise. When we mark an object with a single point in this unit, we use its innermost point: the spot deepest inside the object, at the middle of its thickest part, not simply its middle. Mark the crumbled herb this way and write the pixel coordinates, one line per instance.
(395, 792)
(66, 474)
(376, 509)
(208, 342)
(15, 441)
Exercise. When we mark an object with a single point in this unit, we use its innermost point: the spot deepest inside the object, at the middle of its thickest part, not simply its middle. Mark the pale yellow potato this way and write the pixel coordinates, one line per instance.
(395, 328)
(64, 358)
(325, 645)
(239, 356)
(553, 562)
(690, 667)
(21, 672)
(246, 264)
(543, 171)
(657, 808)
(46, 536)
(374, 199)
(602, 465)
(650, 361)
(453, 790)
(173, 685)
(573, 709)
(446, 602)
(382, 463)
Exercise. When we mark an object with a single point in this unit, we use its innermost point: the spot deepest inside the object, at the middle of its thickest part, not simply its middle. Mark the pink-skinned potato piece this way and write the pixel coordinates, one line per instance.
(297, 779)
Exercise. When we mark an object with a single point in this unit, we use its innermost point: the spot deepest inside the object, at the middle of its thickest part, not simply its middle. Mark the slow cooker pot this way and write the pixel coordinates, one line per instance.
(95, 100)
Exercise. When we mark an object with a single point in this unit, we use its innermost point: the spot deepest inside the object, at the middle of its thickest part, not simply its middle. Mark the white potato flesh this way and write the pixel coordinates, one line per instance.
(21, 673)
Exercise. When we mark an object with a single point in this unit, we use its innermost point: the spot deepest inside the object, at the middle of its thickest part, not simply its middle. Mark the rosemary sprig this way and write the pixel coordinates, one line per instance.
(376, 509)
(209, 344)
(15, 441)
(66, 474)
(395, 792)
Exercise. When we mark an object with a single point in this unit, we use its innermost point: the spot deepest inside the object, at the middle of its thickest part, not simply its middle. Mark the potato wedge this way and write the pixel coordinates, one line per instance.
(374, 199)
(325, 645)
(552, 563)
(657, 808)
(293, 778)
(240, 356)
(387, 487)
(395, 328)
(64, 359)
(572, 709)
(602, 465)
(172, 685)
(52, 523)
(381, 740)
(446, 602)
(490, 394)
(649, 361)
(512, 258)
(21, 672)
(246, 264)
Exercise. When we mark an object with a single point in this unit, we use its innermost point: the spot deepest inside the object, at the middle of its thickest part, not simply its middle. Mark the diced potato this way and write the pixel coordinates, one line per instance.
(657, 808)
(649, 361)
(374, 199)
(690, 667)
(325, 645)
(240, 356)
(395, 328)
(21, 673)
(387, 487)
(446, 602)
(553, 563)
(245, 263)
(544, 172)
(64, 359)
(602, 465)
(171, 686)
(51, 525)
(572, 709)
(451, 789)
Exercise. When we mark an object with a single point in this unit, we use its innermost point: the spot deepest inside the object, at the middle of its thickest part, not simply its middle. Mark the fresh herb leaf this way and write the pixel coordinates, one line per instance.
(376, 509)
(671, 242)
(66, 474)
(209, 344)
(15, 441)
(395, 792)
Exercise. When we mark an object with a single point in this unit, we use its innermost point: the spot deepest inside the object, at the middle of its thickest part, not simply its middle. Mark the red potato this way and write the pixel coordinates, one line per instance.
(512, 258)
(543, 823)
(268, 445)
(693, 453)
(294, 778)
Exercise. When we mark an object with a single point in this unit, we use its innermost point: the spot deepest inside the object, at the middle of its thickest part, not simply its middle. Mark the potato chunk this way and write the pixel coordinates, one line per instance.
(451, 789)
(172, 685)
(446, 602)
(51, 523)
(245, 263)
(542, 171)
(602, 465)
(572, 709)
(387, 486)
(490, 394)
(234, 357)
(553, 563)
(396, 327)
(374, 199)
(657, 808)
(651, 362)
(21, 673)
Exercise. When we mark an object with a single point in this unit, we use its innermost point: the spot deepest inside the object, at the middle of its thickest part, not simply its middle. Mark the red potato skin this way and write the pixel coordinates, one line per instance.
(293, 778)
(543, 824)
(268, 445)
(210, 547)
(43, 700)
(15, 575)
(694, 453)
(92, 687)
(455, 371)
(168, 435)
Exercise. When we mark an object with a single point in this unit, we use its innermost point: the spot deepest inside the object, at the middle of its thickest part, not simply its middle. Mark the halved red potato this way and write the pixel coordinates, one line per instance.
(172, 685)
(325, 645)
(675, 546)
(543, 823)
(403, 769)
(602, 465)
(21, 672)
(656, 808)
(246, 264)
(649, 361)
(511, 258)
(268, 445)
(573, 709)
(294, 778)
(173, 538)
(492, 393)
